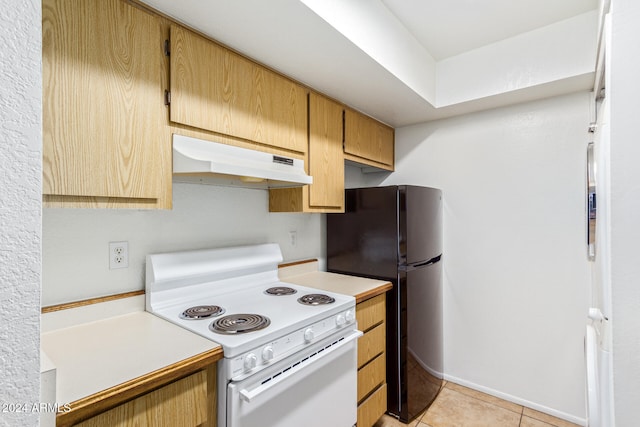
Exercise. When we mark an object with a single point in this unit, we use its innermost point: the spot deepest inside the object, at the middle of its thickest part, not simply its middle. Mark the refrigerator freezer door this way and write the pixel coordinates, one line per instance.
(364, 239)
(420, 224)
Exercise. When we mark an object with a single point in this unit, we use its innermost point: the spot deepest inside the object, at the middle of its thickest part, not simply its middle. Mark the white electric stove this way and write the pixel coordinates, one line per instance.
(276, 336)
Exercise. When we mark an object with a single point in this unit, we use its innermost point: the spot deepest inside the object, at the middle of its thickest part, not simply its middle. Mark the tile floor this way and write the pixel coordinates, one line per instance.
(458, 406)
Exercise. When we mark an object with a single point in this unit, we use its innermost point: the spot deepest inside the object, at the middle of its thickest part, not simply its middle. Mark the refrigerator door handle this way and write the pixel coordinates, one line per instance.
(431, 261)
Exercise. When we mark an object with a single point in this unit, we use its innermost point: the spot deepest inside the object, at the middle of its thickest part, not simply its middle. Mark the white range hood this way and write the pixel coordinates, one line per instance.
(206, 162)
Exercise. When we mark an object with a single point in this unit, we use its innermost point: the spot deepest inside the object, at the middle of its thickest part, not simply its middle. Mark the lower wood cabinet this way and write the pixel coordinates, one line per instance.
(372, 376)
(372, 408)
(188, 402)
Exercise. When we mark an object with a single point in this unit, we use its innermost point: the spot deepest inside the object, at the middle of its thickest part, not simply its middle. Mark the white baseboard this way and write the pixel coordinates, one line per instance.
(532, 405)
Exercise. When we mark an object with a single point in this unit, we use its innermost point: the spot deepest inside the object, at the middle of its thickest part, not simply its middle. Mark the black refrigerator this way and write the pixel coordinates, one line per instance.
(394, 233)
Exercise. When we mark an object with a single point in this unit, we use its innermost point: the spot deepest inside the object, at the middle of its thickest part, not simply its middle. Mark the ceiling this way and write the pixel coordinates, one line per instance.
(448, 28)
(296, 39)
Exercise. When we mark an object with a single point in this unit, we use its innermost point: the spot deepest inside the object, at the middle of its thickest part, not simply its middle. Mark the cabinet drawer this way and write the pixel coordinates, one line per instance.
(371, 376)
(372, 409)
(371, 344)
(370, 312)
(183, 403)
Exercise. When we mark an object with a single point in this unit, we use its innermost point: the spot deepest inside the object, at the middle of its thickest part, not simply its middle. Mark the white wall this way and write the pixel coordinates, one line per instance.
(20, 194)
(516, 271)
(395, 48)
(624, 96)
(76, 241)
(557, 52)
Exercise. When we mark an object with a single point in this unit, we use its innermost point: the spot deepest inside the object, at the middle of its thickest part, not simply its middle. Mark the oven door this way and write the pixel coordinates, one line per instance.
(311, 388)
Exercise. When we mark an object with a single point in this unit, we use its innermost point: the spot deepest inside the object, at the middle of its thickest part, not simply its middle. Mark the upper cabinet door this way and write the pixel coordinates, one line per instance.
(326, 160)
(103, 110)
(215, 89)
(368, 141)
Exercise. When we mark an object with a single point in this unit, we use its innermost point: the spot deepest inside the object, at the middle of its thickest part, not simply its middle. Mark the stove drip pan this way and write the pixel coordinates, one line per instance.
(239, 323)
(315, 299)
(201, 312)
(280, 290)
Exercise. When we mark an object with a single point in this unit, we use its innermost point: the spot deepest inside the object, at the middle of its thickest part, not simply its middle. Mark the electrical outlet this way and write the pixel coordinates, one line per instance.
(118, 255)
(293, 237)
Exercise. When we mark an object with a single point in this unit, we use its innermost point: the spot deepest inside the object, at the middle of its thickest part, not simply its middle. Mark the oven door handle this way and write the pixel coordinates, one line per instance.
(248, 396)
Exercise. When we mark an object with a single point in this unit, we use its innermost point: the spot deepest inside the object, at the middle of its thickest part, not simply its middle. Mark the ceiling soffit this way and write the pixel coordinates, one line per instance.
(362, 54)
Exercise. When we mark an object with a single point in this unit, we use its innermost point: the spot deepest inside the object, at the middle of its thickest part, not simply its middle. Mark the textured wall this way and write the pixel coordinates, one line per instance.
(624, 98)
(557, 52)
(516, 271)
(202, 216)
(20, 207)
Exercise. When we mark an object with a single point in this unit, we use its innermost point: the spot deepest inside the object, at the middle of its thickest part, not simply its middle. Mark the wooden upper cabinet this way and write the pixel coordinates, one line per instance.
(104, 120)
(326, 160)
(215, 89)
(368, 141)
(325, 163)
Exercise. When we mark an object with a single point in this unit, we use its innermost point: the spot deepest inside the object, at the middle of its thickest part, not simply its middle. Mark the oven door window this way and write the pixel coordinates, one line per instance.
(318, 392)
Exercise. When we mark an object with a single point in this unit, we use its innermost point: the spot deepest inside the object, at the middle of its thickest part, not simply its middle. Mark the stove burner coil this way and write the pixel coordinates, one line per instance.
(315, 299)
(280, 290)
(239, 323)
(201, 312)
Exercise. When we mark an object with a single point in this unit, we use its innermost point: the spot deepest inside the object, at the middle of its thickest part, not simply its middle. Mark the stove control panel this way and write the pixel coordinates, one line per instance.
(250, 361)
(309, 335)
(276, 350)
(267, 353)
(350, 315)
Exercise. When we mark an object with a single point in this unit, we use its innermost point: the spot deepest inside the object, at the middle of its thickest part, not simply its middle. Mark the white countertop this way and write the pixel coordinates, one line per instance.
(93, 357)
(102, 347)
(359, 287)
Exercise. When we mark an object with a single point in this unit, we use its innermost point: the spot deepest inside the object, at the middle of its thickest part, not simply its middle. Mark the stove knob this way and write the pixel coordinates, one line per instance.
(350, 316)
(309, 335)
(250, 362)
(340, 320)
(267, 353)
